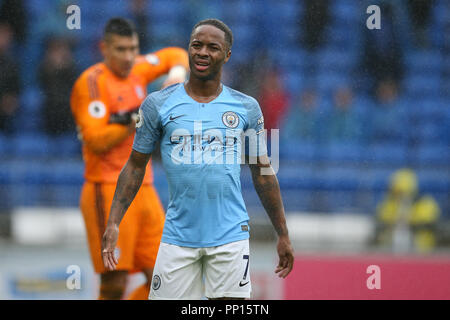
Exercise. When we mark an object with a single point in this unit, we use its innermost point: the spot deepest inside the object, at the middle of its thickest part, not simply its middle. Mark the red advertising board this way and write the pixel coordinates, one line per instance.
(368, 277)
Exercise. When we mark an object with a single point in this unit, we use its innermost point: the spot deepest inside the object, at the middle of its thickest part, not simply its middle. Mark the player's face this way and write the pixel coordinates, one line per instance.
(208, 52)
(120, 52)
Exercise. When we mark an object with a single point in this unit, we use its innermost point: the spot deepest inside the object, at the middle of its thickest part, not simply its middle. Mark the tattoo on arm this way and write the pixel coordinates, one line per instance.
(268, 190)
(128, 184)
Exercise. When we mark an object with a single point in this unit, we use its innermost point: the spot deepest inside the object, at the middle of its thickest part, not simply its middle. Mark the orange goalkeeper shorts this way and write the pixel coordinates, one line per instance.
(139, 232)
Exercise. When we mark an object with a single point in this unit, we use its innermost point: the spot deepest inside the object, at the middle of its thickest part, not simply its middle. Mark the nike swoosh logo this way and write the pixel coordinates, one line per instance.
(243, 284)
(173, 118)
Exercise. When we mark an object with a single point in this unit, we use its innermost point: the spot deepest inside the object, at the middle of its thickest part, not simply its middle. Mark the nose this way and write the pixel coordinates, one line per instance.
(129, 56)
(203, 51)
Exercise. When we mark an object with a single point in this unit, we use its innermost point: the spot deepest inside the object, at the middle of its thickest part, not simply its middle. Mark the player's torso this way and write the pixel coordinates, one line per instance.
(201, 152)
(124, 94)
(195, 133)
(118, 95)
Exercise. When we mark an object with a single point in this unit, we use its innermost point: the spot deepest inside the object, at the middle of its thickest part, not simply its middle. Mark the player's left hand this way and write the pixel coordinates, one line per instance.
(286, 256)
(170, 81)
(177, 74)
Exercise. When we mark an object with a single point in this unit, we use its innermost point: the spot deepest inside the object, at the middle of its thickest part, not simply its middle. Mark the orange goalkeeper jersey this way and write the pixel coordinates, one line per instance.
(98, 94)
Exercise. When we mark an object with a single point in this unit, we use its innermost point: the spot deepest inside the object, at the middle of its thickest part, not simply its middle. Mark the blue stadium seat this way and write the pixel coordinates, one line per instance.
(65, 196)
(431, 155)
(330, 59)
(429, 132)
(336, 177)
(345, 11)
(433, 180)
(343, 152)
(340, 201)
(297, 150)
(26, 195)
(391, 154)
(423, 61)
(235, 10)
(327, 82)
(294, 82)
(165, 9)
(291, 60)
(295, 175)
(423, 86)
(296, 200)
(66, 145)
(431, 108)
(31, 99)
(376, 178)
(5, 146)
(31, 145)
(6, 174)
(287, 11)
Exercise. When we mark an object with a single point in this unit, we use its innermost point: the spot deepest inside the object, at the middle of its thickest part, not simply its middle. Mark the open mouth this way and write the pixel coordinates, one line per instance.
(201, 65)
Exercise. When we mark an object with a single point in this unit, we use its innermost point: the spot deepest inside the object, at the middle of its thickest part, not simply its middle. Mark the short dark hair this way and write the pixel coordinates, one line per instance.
(219, 25)
(119, 26)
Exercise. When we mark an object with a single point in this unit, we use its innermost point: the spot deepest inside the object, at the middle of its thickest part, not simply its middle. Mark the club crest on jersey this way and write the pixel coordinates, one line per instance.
(97, 109)
(230, 119)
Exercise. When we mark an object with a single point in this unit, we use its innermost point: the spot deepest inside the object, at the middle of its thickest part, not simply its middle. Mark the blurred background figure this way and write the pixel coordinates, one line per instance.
(313, 23)
(273, 99)
(13, 12)
(303, 121)
(406, 219)
(382, 51)
(248, 76)
(138, 10)
(420, 16)
(388, 121)
(344, 123)
(9, 80)
(56, 76)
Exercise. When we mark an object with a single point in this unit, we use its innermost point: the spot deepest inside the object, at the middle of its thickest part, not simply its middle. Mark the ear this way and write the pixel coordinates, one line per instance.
(103, 47)
(228, 55)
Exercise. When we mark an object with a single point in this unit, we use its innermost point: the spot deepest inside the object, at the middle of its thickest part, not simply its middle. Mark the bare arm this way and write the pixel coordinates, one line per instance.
(130, 180)
(268, 190)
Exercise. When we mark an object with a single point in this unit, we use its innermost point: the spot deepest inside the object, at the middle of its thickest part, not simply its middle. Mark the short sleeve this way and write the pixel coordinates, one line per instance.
(255, 129)
(148, 126)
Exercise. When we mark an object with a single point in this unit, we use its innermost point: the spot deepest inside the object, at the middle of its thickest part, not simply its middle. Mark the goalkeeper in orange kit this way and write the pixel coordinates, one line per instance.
(104, 102)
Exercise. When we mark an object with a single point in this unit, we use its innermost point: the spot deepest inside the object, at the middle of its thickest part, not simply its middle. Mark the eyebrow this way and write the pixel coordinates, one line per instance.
(208, 44)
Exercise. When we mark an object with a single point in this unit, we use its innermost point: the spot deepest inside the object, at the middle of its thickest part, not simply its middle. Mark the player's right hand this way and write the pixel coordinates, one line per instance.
(109, 242)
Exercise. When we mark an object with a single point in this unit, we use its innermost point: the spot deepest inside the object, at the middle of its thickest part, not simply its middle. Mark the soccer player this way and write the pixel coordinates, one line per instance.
(104, 103)
(200, 126)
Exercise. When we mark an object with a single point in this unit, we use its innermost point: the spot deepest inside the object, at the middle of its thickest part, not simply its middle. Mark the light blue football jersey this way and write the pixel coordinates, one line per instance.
(201, 150)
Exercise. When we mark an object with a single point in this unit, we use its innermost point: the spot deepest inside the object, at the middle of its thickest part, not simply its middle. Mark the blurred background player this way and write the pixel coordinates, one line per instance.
(407, 219)
(103, 102)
